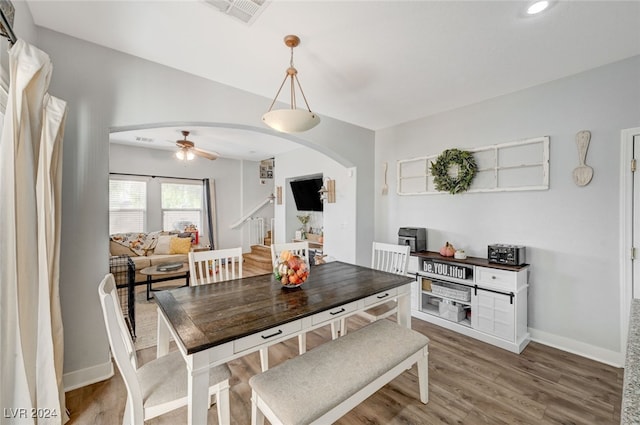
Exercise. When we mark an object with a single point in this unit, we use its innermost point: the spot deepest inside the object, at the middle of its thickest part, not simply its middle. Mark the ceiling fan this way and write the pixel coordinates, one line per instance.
(187, 150)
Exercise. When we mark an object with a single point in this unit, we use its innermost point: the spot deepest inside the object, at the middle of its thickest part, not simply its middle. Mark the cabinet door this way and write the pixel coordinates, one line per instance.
(493, 313)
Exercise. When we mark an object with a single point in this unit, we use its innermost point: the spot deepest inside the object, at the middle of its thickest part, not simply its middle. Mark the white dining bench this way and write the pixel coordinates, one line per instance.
(322, 385)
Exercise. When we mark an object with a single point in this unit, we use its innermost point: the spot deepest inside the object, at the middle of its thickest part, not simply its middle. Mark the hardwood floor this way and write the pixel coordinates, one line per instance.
(470, 382)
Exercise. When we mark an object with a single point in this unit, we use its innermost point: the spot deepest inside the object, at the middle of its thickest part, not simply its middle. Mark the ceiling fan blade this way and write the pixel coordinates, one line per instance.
(205, 154)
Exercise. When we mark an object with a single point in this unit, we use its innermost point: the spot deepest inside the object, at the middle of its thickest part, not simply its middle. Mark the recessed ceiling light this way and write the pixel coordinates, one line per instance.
(537, 7)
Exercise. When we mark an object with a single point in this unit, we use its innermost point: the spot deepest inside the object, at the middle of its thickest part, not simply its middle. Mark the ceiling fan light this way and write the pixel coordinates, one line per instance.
(190, 155)
(291, 120)
(537, 7)
(180, 154)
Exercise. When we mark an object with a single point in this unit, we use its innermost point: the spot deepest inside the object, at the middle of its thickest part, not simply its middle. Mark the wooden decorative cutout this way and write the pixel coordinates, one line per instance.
(582, 174)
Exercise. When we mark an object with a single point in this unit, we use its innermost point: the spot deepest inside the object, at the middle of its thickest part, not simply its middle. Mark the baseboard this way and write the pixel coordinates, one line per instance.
(88, 376)
(579, 348)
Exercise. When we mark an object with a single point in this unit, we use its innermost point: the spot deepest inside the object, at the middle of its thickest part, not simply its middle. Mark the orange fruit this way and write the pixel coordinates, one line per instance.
(285, 255)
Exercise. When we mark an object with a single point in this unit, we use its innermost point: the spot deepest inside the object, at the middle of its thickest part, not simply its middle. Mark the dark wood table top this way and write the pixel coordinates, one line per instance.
(209, 315)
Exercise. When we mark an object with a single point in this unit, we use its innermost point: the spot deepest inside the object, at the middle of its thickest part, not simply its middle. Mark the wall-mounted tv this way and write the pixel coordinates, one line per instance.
(305, 193)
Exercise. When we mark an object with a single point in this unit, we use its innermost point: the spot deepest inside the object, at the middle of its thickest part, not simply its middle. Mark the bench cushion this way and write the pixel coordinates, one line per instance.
(304, 388)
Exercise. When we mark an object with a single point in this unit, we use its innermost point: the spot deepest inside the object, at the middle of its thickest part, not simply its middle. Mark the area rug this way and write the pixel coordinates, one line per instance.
(147, 315)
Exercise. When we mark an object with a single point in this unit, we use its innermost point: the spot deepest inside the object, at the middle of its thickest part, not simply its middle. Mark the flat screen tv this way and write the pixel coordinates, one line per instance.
(305, 193)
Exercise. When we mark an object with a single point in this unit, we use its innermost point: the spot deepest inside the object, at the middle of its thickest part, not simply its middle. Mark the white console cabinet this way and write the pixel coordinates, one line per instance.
(483, 300)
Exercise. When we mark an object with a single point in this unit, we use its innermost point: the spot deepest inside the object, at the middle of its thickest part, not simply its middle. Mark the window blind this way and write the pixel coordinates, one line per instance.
(127, 206)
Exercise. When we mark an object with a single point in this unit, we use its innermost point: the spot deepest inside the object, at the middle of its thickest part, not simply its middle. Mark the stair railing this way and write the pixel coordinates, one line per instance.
(269, 199)
(272, 227)
(256, 231)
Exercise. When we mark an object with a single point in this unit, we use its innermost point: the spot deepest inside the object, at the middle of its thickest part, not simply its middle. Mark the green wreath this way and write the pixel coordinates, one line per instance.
(466, 171)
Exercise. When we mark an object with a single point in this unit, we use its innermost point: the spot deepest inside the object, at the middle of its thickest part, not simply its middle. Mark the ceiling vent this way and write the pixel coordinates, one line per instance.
(245, 10)
(144, 139)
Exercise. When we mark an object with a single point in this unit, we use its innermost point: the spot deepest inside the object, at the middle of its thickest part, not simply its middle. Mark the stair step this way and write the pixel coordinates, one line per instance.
(257, 259)
(261, 249)
(258, 262)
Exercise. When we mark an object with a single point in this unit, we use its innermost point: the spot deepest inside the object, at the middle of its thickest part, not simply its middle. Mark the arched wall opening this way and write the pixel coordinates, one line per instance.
(238, 190)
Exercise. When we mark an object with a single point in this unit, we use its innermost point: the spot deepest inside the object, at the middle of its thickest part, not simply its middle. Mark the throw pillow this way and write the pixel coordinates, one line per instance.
(163, 246)
(117, 249)
(180, 246)
(151, 241)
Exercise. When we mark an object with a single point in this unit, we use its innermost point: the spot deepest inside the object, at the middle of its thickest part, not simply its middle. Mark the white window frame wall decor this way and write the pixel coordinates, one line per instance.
(507, 167)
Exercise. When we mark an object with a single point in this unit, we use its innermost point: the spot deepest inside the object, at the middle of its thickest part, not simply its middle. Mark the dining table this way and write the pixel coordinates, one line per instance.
(215, 323)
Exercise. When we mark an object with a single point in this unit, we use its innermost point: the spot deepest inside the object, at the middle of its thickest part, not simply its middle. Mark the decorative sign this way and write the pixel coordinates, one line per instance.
(448, 270)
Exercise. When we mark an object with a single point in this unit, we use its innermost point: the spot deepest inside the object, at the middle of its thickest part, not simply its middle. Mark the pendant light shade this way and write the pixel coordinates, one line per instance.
(291, 120)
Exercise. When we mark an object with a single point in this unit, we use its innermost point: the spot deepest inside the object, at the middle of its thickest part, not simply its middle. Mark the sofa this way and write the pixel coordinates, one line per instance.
(150, 249)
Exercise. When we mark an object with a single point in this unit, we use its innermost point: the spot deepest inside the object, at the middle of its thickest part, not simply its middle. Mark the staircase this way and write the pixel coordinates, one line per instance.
(259, 258)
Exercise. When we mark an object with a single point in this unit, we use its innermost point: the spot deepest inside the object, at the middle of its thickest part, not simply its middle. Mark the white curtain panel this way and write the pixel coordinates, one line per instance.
(31, 335)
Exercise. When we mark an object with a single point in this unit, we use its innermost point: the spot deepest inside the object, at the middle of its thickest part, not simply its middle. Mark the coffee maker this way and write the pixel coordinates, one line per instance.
(415, 237)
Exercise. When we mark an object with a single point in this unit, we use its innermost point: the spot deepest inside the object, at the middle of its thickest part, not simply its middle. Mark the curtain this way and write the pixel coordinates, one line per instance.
(31, 334)
(210, 205)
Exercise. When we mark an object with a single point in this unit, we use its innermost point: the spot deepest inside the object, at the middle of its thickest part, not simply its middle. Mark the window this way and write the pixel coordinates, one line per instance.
(127, 206)
(181, 205)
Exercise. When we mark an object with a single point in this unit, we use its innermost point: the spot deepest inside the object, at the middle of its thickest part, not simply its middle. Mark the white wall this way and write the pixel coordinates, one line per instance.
(106, 89)
(339, 218)
(571, 232)
(237, 185)
(253, 194)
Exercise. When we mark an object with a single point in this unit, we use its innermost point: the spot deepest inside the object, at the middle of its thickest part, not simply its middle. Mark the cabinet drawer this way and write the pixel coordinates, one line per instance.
(334, 313)
(270, 334)
(381, 296)
(500, 279)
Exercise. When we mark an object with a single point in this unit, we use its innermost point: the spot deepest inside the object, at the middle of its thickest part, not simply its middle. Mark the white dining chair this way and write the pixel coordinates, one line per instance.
(389, 258)
(218, 265)
(215, 265)
(301, 249)
(159, 386)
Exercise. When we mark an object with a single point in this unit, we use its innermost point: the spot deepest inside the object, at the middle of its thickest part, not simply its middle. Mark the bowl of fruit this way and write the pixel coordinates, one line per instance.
(291, 270)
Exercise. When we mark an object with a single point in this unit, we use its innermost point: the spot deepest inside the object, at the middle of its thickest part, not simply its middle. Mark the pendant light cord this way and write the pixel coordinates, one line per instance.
(293, 74)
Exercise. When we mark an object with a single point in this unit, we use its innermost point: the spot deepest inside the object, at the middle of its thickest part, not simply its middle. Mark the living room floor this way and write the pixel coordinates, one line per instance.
(470, 382)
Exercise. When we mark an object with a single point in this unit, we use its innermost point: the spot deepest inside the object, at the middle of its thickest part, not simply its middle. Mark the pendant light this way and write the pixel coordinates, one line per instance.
(291, 120)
